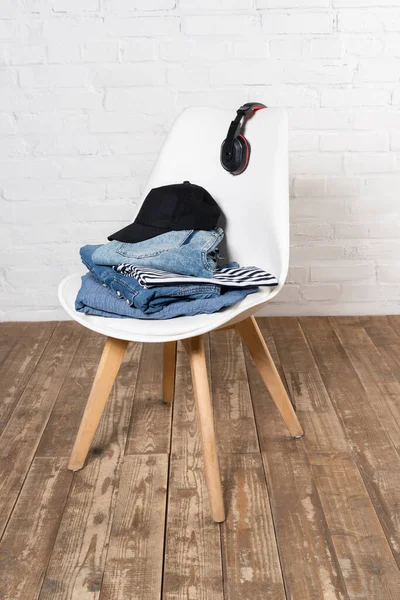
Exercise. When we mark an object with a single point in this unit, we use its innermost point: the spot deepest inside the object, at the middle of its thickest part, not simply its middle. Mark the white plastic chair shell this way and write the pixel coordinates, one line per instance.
(255, 205)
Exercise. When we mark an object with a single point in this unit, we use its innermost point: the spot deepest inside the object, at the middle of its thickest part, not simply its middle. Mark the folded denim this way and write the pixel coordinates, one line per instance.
(126, 290)
(186, 252)
(95, 299)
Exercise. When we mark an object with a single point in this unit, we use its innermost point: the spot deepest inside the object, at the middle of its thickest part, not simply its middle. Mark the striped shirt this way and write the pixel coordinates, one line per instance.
(225, 276)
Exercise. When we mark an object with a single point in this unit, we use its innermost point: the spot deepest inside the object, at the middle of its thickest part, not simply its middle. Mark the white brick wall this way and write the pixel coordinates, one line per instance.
(74, 156)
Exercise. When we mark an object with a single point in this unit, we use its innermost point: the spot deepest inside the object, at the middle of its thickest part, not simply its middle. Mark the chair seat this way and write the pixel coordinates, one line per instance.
(137, 330)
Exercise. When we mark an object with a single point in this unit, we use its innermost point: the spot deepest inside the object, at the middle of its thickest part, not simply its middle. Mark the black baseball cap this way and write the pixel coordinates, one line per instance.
(171, 208)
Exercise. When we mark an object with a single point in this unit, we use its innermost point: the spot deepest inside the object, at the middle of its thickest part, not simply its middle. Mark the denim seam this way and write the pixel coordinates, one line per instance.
(208, 246)
(152, 254)
(125, 286)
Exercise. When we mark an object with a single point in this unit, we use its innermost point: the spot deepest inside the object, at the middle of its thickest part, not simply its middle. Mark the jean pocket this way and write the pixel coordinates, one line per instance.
(172, 240)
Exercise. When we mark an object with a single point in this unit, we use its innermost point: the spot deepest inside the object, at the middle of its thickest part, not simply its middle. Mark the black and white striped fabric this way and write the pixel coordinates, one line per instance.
(226, 276)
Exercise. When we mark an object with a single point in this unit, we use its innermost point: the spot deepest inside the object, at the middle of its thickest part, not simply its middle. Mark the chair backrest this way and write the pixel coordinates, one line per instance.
(255, 203)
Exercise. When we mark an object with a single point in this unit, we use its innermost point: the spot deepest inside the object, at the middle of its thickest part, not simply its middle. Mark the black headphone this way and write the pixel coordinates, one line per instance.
(235, 149)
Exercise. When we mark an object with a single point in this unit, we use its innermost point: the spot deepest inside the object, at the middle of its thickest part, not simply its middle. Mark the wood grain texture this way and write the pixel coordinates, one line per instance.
(169, 364)
(233, 411)
(193, 566)
(375, 455)
(310, 566)
(381, 385)
(365, 559)
(23, 431)
(341, 468)
(205, 421)
(150, 425)
(22, 346)
(250, 555)
(107, 370)
(135, 556)
(60, 432)
(28, 540)
(77, 563)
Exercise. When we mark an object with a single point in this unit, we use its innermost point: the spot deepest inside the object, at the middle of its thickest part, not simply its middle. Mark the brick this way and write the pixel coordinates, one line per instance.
(288, 46)
(26, 55)
(325, 48)
(363, 3)
(297, 274)
(378, 70)
(28, 167)
(315, 252)
(379, 118)
(66, 145)
(303, 141)
(211, 5)
(359, 21)
(139, 49)
(319, 119)
(220, 25)
(369, 162)
(320, 292)
(292, 95)
(140, 100)
(318, 163)
(351, 230)
(342, 272)
(292, 4)
(46, 76)
(67, 98)
(130, 143)
(237, 72)
(189, 77)
(360, 293)
(289, 293)
(130, 75)
(319, 22)
(14, 99)
(310, 231)
(355, 97)
(56, 122)
(142, 26)
(13, 147)
(100, 52)
(303, 186)
(361, 142)
(388, 273)
(256, 47)
(74, 6)
(95, 167)
(320, 209)
(196, 49)
(122, 122)
(127, 6)
(343, 186)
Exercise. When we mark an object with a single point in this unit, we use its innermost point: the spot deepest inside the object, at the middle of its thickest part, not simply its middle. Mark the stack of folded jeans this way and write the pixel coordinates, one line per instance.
(163, 275)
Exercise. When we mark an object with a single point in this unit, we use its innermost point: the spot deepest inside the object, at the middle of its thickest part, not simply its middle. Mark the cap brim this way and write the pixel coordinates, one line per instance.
(137, 232)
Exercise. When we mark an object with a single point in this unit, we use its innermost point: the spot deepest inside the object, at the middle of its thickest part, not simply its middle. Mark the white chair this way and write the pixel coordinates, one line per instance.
(256, 208)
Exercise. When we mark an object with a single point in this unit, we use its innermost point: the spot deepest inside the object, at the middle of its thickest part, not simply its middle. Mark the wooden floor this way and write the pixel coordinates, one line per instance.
(310, 519)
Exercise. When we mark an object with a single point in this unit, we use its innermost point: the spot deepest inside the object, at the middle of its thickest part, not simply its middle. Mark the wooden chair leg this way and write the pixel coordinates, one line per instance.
(253, 338)
(195, 350)
(169, 371)
(111, 359)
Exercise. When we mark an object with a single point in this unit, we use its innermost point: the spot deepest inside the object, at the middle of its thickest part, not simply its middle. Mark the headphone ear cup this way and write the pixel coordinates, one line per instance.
(239, 159)
(243, 154)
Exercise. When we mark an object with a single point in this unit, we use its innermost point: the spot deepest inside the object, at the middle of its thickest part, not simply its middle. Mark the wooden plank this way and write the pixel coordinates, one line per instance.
(372, 448)
(29, 537)
(308, 393)
(233, 411)
(307, 555)
(135, 556)
(150, 426)
(59, 436)
(250, 555)
(193, 567)
(381, 385)
(23, 345)
(354, 560)
(76, 565)
(366, 561)
(23, 431)
(386, 339)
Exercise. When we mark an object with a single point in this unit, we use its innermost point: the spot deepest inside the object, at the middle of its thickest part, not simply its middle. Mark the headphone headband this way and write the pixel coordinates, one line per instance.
(235, 149)
(234, 127)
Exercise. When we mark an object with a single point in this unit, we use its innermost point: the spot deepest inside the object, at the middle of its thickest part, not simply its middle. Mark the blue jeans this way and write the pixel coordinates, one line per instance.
(187, 252)
(127, 297)
(95, 299)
